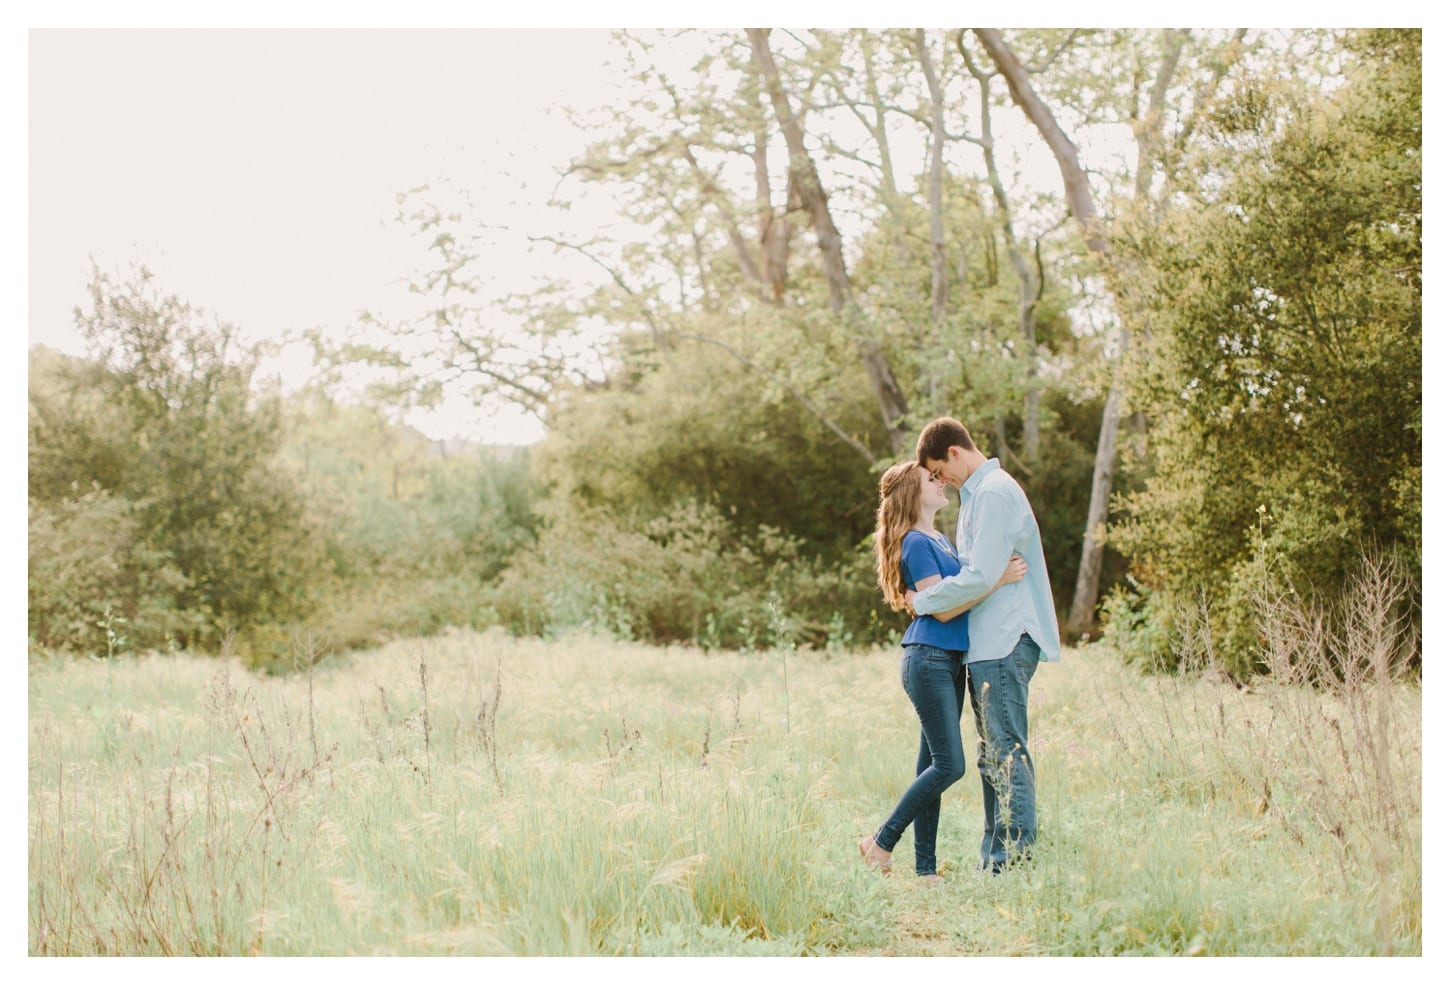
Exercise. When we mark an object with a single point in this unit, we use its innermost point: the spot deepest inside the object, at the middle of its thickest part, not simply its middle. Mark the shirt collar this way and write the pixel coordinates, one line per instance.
(975, 479)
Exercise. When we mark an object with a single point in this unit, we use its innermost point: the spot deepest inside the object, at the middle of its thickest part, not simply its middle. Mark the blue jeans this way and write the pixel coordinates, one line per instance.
(935, 681)
(1009, 782)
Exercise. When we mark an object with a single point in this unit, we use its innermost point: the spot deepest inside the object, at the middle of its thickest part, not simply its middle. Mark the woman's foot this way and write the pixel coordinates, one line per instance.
(876, 857)
(931, 879)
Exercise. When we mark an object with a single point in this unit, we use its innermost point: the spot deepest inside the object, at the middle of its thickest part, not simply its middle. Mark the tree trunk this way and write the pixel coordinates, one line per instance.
(937, 223)
(889, 397)
(1029, 279)
(1147, 131)
(1148, 136)
(774, 229)
(1084, 600)
(1090, 569)
(1074, 178)
(1080, 204)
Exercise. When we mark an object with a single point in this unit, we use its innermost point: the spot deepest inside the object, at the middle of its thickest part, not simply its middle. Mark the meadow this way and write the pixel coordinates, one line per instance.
(480, 794)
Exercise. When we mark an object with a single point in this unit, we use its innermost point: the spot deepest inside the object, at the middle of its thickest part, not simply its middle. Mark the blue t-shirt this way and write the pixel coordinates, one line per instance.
(921, 557)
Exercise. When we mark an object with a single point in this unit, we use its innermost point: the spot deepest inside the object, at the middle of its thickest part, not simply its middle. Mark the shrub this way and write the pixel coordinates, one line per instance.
(163, 418)
(683, 575)
(95, 585)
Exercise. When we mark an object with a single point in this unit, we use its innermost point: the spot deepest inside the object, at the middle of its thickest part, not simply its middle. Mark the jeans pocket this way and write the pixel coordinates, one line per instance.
(1023, 661)
(935, 653)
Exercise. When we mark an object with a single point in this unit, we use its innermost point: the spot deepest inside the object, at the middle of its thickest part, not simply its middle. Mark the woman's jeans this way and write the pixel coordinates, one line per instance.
(1009, 782)
(935, 681)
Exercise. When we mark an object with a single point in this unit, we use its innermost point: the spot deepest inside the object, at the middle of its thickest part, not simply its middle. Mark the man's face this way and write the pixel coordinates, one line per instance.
(952, 470)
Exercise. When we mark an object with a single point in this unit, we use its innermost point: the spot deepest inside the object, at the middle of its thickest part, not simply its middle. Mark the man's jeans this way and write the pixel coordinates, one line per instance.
(935, 680)
(1009, 784)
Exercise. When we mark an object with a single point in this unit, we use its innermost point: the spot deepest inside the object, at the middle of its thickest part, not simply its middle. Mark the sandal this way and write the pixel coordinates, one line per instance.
(876, 857)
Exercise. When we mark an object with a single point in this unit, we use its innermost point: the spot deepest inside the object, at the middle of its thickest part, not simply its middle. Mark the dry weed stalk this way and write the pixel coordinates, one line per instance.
(1328, 739)
(427, 725)
(485, 723)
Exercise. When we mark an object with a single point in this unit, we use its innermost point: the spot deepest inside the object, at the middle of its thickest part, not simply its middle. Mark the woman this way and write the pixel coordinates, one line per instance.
(912, 554)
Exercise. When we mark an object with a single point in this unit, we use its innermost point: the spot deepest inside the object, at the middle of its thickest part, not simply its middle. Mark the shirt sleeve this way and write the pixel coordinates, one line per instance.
(917, 560)
(991, 550)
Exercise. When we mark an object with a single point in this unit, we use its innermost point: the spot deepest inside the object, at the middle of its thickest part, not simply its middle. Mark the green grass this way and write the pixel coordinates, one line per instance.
(585, 797)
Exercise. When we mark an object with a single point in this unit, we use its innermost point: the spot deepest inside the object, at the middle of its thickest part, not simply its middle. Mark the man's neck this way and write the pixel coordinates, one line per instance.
(973, 460)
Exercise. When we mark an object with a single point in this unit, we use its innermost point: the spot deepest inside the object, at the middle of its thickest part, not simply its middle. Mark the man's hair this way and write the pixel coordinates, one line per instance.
(938, 436)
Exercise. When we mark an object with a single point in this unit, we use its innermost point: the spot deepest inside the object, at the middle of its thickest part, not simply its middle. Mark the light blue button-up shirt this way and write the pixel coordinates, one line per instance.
(995, 522)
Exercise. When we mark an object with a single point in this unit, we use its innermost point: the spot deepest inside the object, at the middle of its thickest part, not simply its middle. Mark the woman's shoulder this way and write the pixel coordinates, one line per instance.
(917, 539)
(917, 542)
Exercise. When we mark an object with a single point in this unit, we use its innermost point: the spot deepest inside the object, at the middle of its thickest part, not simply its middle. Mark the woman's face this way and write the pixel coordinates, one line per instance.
(933, 493)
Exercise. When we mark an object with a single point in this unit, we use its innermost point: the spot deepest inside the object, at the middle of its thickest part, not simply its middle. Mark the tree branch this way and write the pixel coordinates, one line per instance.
(800, 397)
(660, 339)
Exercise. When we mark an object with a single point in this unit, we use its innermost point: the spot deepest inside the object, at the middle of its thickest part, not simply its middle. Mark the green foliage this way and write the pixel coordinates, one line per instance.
(711, 475)
(163, 420)
(1284, 382)
(706, 424)
(395, 503)
(168, 497)
(696, 491)
(683, 575)
(699, 424)
(92, 572)
(414, 531)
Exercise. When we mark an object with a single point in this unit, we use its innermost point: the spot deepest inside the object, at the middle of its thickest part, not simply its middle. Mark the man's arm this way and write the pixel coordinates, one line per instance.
(991, 550)
(1016, 571)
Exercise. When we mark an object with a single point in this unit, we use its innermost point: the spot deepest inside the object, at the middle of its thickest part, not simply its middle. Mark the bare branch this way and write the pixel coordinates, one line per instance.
(1074, 178)
(660, 339)
(1037, 68)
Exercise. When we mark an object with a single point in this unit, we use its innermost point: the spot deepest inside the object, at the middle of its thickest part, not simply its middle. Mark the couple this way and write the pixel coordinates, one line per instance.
(997, 570)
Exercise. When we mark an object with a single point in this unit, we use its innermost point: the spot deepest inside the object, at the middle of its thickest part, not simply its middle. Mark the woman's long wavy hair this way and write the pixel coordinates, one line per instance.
(898, 512)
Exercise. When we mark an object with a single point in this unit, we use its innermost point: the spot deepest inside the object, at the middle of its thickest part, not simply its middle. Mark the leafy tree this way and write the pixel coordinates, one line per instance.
(1142, 81)
(163, 420)
(777, 241)
(784, 505)
(1285, 388)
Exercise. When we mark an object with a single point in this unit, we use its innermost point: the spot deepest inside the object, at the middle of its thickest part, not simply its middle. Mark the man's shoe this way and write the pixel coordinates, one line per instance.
(1015, 862)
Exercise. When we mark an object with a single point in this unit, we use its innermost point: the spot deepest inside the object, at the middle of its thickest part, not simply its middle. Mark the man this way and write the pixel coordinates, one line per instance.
(1011, 630)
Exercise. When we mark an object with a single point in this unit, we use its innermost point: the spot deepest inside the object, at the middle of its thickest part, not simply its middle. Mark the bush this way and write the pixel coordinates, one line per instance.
(1283, 375)
(164, 420)
(682, 576)
(95, 585)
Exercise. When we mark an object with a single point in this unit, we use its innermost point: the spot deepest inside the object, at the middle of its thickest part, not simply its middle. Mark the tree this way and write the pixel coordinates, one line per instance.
(1289, 346)
(807, 181)
(1148, 124)
(161, 426)
(692, 499)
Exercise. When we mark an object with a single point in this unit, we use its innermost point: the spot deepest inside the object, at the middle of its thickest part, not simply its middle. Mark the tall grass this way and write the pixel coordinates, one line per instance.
(483, 795)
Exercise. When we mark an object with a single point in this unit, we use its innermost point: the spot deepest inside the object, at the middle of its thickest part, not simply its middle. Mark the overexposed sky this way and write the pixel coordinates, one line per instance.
(256, 171)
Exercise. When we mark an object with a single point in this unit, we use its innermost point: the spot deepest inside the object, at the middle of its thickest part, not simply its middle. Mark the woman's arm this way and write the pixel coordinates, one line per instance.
(1016, 571)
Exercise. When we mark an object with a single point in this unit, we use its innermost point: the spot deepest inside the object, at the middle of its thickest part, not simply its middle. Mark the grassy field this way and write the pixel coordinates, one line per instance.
(480, 795)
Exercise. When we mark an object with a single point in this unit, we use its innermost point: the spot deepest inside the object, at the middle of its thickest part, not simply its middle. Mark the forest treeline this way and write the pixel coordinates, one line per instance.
(1203, 363)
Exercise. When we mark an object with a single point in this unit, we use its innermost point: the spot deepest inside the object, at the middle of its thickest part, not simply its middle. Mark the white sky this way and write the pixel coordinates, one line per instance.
(255, 172)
